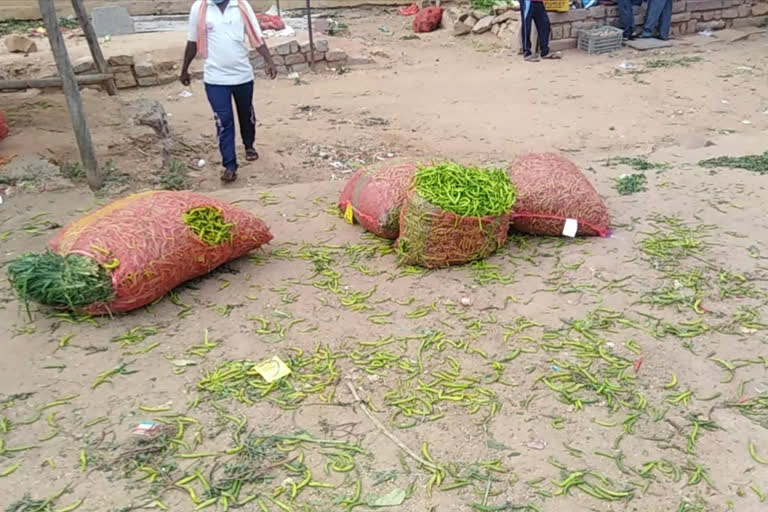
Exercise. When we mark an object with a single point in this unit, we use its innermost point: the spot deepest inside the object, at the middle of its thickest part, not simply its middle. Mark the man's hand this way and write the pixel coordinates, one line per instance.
(184, 78)
(270, 69)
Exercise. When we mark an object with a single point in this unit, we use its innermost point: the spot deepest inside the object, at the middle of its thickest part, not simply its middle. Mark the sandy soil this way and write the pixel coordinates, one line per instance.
(687, 382)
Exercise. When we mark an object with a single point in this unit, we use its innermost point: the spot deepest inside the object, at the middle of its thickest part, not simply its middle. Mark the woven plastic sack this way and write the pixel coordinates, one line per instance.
(433, 238)
(3, 127)
(428, 19)
(269, 22)
(145, 236)
(375, 195)
(551, 190)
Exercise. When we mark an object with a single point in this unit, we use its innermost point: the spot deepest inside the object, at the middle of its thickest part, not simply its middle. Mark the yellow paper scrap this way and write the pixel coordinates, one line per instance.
(349, 214)
(273, 369)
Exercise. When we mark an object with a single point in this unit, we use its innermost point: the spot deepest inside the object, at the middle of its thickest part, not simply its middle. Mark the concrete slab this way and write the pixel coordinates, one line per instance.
(112, 21)
(648, 44)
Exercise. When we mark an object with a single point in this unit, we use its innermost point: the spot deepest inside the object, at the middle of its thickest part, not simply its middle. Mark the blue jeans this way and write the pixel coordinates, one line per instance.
(659, 15)
(220, 98)
(627, 17)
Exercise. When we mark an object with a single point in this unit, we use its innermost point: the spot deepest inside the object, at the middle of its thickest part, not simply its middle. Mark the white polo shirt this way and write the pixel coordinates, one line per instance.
(227, 62)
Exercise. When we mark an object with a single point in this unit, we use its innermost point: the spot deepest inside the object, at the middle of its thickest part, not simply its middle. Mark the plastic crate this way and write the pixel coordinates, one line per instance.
(557, 5)
(600, 40)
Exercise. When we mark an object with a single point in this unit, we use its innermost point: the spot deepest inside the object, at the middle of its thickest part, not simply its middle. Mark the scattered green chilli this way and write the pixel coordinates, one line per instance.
(754, 163)
(629, 184)
(466, 191)
(70, 281)
(209, 225)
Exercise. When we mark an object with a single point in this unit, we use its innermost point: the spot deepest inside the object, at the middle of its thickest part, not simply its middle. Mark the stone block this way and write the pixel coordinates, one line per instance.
(557, 32)
(169, 78)
(121, 69)
(322, 45)
(612, 11)
(300, 67)
(760, 9)
(282, 49)
(318, 56)
(745, 10)
(583, 25)
(336, 56)
(144, 66)
(83, 65)
(16, 43)
(120, 60)
(712, 25)
(484, 25)
(125, 80)
(447, 21)
(295, 58)
(568, 31)
(562, 44)
(731, 13)
(278, 60)
(692, 27)
(112, 21)
(258, 62)
(294, 46)
(596, 13)
(679, 6)
(711, 15)
(495, 29)
(570, 16)
(754, 21)
(704, 5)
(147, 81)
(681, 16)
(614, 22)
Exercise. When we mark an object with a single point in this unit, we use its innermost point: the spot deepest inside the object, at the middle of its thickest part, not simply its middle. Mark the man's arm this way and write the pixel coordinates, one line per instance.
(191, 50)
(189, 56)
(270, 68)
(263, 50)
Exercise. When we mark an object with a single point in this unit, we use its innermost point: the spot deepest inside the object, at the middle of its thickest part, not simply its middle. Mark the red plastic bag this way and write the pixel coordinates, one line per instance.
(269, 22)
(428, 19)
(375, 195)
(149, 250)
(408, 11)
(3, 127)
(551, 190)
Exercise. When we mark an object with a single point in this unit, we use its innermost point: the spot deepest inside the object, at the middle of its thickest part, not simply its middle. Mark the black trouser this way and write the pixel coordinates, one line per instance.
(536, 13)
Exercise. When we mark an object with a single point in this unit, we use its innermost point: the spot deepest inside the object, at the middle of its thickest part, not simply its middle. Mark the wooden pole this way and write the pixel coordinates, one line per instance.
(43, 83)
(311, 38)
(278, 8)
(93, 173)
(93, 44)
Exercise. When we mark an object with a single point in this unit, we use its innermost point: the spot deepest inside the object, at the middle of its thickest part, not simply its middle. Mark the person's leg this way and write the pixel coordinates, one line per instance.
(541, 19)
(220, 98)
(665, 20)
(246, 117)
(627, 18)
(525, 32)
(652, 15)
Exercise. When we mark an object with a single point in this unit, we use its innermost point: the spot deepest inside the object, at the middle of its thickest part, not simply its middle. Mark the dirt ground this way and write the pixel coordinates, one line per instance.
(627, 373)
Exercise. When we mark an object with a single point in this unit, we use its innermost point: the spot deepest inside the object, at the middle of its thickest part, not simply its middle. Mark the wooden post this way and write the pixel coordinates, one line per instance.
(42, 83)
(93, 173)
(311, 37)
(278, 8)
(93, 44)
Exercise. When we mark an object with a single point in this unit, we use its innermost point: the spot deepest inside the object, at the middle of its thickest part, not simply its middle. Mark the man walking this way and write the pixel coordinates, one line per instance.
(217, 33)
(534, 12)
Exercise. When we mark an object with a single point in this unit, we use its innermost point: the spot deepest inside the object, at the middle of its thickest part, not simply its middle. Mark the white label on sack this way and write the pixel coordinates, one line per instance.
(570, 228)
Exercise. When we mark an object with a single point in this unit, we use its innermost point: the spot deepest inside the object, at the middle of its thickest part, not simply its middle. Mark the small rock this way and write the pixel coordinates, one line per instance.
(82, 65)
(144, 66)
(504, 17)
(468, 19)
(501, 9)
(20, 44)
(447, 21)
(537, 445)
(483, 26)
(466, 302)
(461, 29)
(495, 29)
(336, 56)
(480, 14)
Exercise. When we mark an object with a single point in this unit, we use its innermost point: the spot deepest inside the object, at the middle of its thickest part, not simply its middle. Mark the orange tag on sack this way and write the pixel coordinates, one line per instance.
(349, 214)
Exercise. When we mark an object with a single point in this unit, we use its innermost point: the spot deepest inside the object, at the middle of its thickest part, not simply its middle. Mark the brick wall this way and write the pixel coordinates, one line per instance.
(688, 17)
(27, 9)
